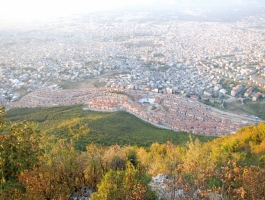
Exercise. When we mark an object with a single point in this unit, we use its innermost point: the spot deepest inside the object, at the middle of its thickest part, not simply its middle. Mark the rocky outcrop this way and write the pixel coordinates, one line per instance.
(83, 194)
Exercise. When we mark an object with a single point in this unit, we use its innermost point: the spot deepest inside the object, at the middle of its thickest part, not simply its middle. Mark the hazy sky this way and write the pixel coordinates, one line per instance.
(41, 9)
(46, 9)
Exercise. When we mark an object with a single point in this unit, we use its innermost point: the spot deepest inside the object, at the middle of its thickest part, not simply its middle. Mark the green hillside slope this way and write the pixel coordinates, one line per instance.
(107, 128)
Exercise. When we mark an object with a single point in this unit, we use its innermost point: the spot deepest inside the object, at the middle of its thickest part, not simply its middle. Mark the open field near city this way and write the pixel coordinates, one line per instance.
(108, 128)
(89, 83)
(252, 108)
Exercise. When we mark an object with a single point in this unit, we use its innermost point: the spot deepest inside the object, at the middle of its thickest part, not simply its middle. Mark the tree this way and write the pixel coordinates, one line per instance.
(59, 174)
(95, 167)
(19, 150)
(128, 184)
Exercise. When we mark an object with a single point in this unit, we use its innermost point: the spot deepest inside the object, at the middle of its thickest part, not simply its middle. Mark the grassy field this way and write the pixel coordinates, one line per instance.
(77, 85)
(86, 127)
(252, 108)
(99, 84)
(89, 83)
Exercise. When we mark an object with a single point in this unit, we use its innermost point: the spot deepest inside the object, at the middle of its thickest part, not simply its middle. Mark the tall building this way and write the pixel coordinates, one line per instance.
(236, 90)
(248, 92)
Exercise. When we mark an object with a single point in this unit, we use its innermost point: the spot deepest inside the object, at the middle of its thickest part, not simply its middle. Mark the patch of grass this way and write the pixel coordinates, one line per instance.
(99, 84)
(85, 127)
(80, 84)
(70, 85)
(252, 108)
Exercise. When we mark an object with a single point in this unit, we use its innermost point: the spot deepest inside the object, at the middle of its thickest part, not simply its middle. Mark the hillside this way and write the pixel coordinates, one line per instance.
(107, 128)
(230, 167)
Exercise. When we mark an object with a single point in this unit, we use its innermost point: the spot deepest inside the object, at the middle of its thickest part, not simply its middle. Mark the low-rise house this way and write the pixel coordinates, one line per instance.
(256, 96)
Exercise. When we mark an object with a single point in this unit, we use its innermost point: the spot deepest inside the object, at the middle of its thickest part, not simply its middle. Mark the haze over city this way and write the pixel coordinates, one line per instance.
(209, 53)
(28, 10)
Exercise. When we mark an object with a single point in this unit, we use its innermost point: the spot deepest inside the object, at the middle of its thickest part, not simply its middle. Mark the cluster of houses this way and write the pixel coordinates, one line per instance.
(249, 93)
(56, 97)
(173, 111)
(184, 114)
(255, 96)
(185, 57)
(192, 116)
(107, 102)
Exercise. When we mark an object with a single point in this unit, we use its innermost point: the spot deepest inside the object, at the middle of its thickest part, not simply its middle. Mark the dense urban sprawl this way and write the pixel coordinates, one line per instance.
(177, 56)
(190, 58)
